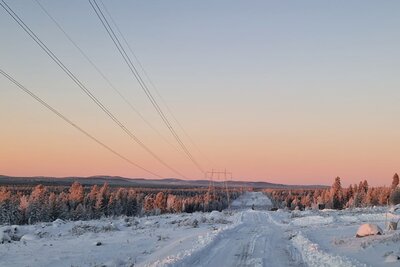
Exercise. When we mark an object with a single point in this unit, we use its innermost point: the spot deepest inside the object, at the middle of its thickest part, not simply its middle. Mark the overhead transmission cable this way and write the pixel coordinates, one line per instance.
(22, 24)
(61, 116)
(142, 84)
(101, 73)
(153, 85)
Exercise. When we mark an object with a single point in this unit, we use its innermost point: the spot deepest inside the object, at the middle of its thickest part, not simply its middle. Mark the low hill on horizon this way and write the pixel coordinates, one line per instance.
(142, 182)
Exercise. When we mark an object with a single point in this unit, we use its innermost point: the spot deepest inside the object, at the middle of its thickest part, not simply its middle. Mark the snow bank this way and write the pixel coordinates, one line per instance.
(312, 220)
(218, 217)
(118, 263)
(4, 238)
(313, 256)
(197, 218)
(392, 258)
(58, 222)
(9, 233)
(144, 241)
(395, 209)
(202, 241)
(29, 237)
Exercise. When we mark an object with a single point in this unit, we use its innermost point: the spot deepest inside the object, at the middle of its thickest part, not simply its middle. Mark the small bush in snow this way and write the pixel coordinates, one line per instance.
(12, 232)
(162, 238)
(195, 223)
(4, 238)
(392, 258)
(28, 237)
(222, 221)
(58, 223)
(109, 228)
(84, 228)
(295, 214)
(42, 234)
(81, 229)
(202, 219)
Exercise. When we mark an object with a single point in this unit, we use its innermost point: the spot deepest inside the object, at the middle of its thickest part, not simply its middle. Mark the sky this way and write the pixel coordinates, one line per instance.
(294, 92)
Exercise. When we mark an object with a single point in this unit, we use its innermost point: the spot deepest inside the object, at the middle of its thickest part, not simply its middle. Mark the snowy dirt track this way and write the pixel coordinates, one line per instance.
(255, 242)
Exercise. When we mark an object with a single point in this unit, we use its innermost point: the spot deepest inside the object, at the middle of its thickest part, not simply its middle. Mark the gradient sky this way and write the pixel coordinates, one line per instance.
(282, 91)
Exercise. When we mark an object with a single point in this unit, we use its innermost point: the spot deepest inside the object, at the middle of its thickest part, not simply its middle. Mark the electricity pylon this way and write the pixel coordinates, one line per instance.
(217, 174)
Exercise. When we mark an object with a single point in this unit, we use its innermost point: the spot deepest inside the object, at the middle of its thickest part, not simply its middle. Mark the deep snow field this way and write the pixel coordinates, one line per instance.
(241, 237)
(331, 234)
(152, 241)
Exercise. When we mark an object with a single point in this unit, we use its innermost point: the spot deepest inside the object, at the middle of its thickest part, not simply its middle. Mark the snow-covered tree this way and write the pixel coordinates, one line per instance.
(337, 194)
(76, 195)
(160, 202)
(395, 197)
(120, 201)
(102, 199)
(349, 193)
(371, 197)
(9, 212)
(148, 205)
(53, 206)
(132, 203)
(395, 181)
(79, 213)
(63, 206)
(37, 209)
(23, 208)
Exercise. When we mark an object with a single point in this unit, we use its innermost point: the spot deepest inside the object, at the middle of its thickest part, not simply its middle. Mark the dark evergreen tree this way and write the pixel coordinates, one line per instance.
(395, 181)
(337, 194)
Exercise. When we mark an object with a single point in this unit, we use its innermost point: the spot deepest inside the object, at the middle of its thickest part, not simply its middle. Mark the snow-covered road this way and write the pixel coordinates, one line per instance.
(248, 200)
(240, 237)
(257, 241)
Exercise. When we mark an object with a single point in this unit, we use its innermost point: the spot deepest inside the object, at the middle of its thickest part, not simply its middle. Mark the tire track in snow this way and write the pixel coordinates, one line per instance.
(255, 241)
(248, 250)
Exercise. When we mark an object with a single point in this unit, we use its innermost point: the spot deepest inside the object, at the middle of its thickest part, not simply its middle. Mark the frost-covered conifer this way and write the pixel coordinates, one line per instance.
(337, 194)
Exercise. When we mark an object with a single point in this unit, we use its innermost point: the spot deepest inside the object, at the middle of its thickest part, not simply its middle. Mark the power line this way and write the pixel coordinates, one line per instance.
(101, 73)
(153, 85)
(142, 84)
(61, 116)
(134, 71)
(21, 23)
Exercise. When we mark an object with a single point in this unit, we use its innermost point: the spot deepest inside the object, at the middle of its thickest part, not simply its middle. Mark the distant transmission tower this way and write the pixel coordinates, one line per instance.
(211, 186)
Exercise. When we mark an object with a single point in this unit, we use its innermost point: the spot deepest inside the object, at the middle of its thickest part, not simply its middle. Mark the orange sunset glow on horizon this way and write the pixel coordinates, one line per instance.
(300, 95)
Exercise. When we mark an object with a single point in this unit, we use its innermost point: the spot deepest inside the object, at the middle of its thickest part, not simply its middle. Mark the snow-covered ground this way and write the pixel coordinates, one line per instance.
(241, 237)
(146, 241)
(334, 232)
(256, 200)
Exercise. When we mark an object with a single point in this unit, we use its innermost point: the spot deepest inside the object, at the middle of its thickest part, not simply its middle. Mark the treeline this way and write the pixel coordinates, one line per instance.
(47, 203)
(337, 197)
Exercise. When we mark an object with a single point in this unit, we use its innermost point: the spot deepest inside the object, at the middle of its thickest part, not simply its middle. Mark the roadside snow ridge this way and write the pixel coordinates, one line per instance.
(313, 256)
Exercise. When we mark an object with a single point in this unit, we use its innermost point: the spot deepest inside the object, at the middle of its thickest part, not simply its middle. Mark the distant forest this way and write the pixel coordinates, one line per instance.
(28, 204)
(24, 204)
(337, 197)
